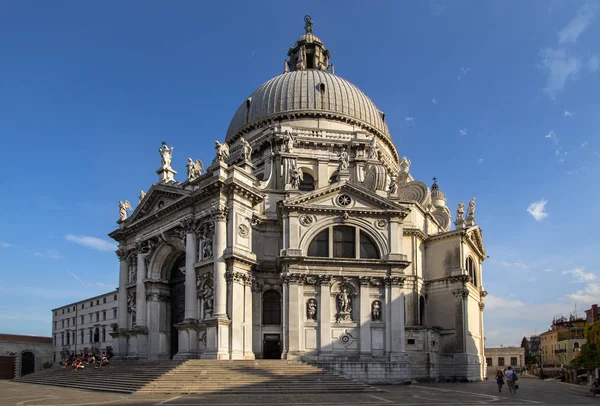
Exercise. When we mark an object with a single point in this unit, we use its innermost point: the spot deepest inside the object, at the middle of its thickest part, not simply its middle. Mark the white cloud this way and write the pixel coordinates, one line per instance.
(552, 136)
(434, 101)
(594, 63)
(480, 161)
(91, 242)
(52, 254)
(463, 131)
(579, 275)
(409, 121)
(583, 19)
(5, 245)
(463, 72)
(568, 113)
(559, 67)
(583, 144)
(538, 209)
(496, 302)
(587, 295)
(436, 8)
(547, 270)
(518, 265)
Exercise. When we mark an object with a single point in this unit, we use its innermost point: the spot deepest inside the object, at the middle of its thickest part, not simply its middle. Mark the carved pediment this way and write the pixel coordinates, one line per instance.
(476, 238)
(158, 198)
(344, 196)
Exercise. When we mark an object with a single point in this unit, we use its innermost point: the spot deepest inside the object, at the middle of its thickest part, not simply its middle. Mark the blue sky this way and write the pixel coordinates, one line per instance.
(499, 100)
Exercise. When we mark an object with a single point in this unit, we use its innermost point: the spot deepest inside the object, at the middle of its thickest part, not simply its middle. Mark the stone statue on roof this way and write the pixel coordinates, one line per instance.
(471, 211)
(343, 160)
(404, 165)
(308, 23)
(165, 155)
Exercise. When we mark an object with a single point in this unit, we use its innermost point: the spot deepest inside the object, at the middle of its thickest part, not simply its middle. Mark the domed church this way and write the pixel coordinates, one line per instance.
(305, 238)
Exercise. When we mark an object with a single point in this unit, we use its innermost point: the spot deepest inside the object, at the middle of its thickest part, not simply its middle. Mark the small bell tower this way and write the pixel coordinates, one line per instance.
(308, 52)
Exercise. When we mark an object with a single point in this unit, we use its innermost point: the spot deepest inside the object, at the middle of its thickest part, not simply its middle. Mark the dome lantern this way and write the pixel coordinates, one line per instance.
(437, 196)
(308, 52)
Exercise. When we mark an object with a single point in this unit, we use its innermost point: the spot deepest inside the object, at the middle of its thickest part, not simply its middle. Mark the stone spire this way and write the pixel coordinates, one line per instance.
(308, 52)
(438, 199)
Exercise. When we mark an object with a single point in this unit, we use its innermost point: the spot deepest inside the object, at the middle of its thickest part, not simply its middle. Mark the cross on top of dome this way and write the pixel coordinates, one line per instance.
(308, 24)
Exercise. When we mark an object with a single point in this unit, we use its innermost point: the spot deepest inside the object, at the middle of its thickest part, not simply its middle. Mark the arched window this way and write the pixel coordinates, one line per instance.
(319, 246)
(367, 246)
(97, 335)
(471, 271)
(346, 242)
(307, 184)
(271, 308)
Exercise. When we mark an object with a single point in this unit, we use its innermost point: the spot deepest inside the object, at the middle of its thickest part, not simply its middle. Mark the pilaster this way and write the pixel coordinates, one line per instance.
(325, 315)
(365, 318)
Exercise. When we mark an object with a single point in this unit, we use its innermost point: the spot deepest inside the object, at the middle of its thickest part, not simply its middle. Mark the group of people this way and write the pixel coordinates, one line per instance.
(79, 361)
(511, 380)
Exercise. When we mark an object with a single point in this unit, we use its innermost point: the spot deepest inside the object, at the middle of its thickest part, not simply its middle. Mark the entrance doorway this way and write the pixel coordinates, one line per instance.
(177, 282)
(272, 346)
(27, 363)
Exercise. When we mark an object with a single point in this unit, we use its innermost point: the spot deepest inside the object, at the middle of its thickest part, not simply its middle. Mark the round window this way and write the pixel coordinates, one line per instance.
(344, 200)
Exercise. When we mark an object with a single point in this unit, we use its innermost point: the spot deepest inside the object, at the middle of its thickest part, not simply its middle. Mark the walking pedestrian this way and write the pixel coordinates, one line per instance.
(500, 380)
(511, 380)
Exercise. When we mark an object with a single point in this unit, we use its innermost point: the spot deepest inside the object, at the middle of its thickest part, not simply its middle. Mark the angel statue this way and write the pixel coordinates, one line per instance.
(165, 155)
(471, 211)
(141, 196)
(343, 304)
(222, 151)
(194, 169)
(343, 160)
(460, 212)
(123, 207)
(288, 142)
(296, 176)
(404, 165)
(247, 150)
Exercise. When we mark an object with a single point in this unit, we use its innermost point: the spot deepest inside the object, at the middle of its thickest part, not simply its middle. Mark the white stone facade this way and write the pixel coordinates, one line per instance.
(306, 238)
(84, 324)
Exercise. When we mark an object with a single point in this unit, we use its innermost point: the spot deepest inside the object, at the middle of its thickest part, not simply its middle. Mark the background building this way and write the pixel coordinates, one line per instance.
(500, 358)
(79, 326)
(563, 341)
(22, 355)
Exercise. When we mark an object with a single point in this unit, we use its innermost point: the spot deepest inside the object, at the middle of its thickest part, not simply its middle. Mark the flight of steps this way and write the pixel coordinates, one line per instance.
(202, 376)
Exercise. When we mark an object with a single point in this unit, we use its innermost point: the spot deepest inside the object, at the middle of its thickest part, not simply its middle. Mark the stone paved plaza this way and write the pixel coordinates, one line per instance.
(532, 391)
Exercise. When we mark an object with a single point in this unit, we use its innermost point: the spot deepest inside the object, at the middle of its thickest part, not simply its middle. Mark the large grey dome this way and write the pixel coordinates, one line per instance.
(309, 92)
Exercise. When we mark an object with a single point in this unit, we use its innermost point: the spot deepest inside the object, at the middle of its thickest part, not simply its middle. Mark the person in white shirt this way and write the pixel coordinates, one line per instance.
(511, 378)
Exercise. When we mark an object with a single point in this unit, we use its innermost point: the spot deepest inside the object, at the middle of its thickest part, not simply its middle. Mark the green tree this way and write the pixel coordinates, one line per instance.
(525, 345)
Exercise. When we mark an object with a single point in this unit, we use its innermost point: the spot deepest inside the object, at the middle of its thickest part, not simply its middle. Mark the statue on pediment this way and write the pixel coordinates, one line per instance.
(372, 151)
(222, 151)
(288, 142)
(393, 188)
(165, 155)
(296, 176)
(194, 169)
(141, 196)
(343, 160)
(471, 210)
(123, 207)
(460, 212)
(246, 149)
(404, 165)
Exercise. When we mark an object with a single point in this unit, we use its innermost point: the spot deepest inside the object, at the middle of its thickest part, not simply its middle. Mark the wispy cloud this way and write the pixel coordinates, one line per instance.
(76, 277)
(436, 8)
(463, 131)
(5, 245)
(560, 63)
(583, 144)
(582, 21)
(567, 113)
(93, 285)
(52, 254)
(91, 242)
(519, 265)
(552, 136)
(594, 63)
(547, 270)
(538, 210)
(434, 101)
(579, 275)
(496, 302)
(409, 121)
(480, 161)
(463, 72)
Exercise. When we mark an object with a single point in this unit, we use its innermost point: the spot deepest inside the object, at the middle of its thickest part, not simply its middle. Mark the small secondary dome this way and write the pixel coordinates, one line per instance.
(308, 87)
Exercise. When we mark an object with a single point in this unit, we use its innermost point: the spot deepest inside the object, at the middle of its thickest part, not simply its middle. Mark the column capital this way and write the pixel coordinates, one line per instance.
(157, 297)
(394, 281)
(219, 212)
(146, 247)
(461, 294)
(242, 278)
(187, 225)
(122, 253)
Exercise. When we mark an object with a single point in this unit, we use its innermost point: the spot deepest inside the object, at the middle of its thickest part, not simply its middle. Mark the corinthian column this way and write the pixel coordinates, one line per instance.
(220, 267)
(191, 295)
(140, 290)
